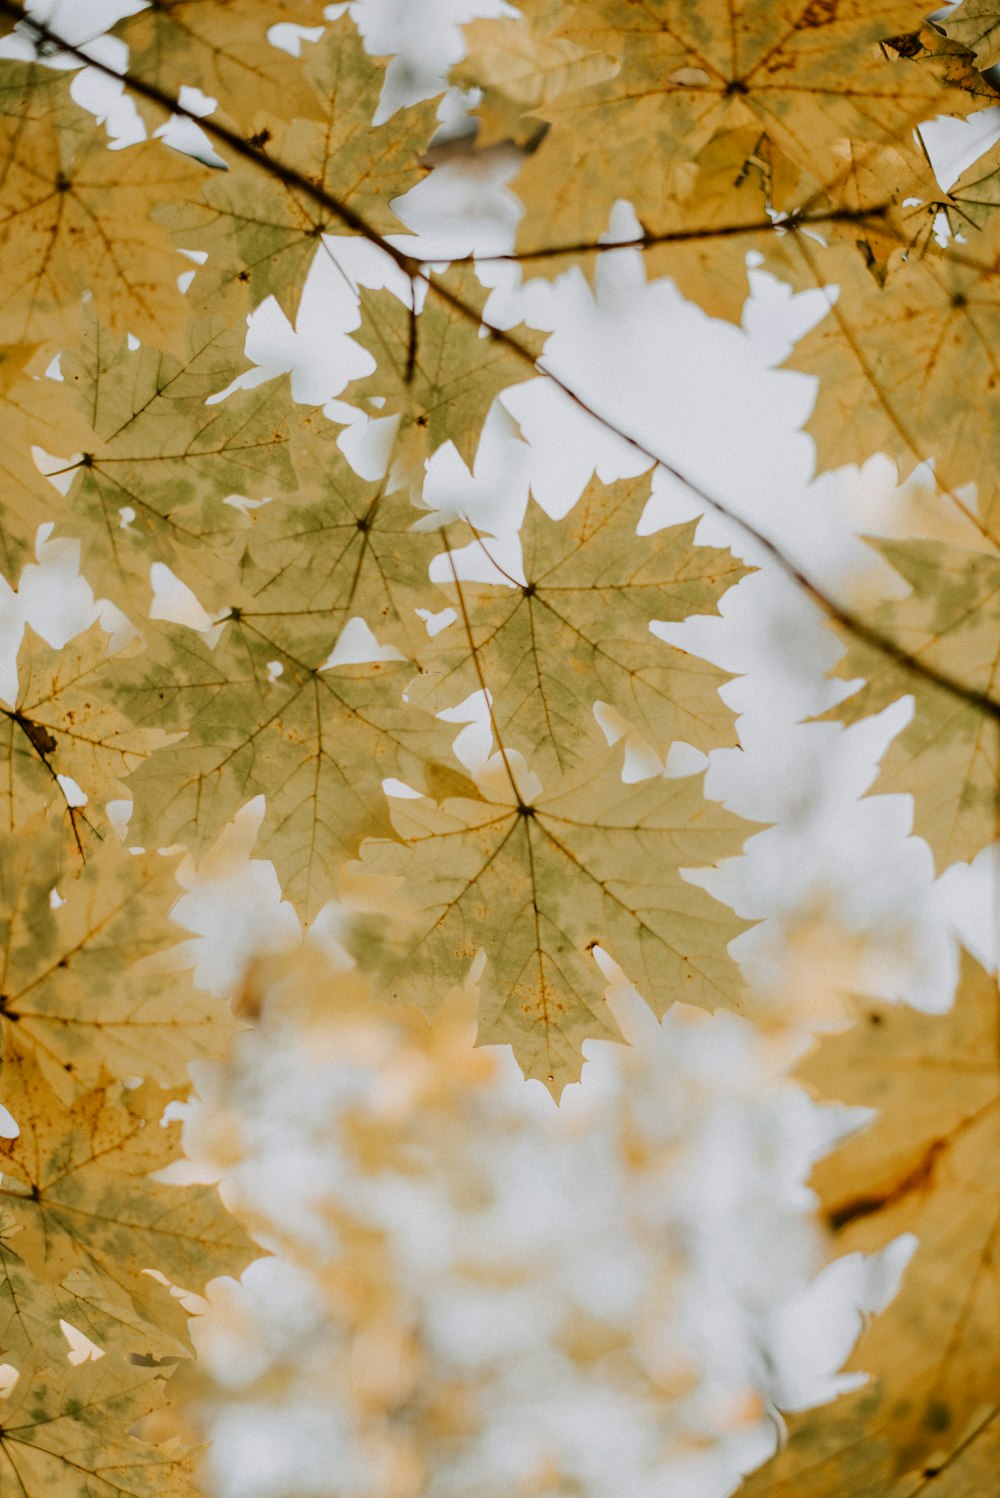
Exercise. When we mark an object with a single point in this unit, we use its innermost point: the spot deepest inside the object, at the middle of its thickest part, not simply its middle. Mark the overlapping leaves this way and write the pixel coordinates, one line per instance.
(713, 121)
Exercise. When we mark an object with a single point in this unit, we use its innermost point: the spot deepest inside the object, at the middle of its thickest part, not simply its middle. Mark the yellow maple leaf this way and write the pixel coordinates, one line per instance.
(221, 47)
(260, 230)
(160, 461)
(810, 74)
(80, 981)
(976, 25)
(576, 631)
(438, 372)
(928, 394)
(64, 1431)
(926, 1165)
(58, 725)
(34, 411)
(588, 862)
(78, 217)
(948, 757)
(77, 1180)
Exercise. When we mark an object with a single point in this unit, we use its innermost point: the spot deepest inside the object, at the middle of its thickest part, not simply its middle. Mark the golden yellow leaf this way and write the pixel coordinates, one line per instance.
(926, 1165)
(77, 1179)
(60, 726)
(577, 630)
(928, 391)
(221, 47)
(80, 981)
(316, 741)
(588, 862)
(522, 68)
(948, 757)
(261, 232)
(161, 461)
(438, 372)
(976, 25)
(34, 411)
(63, 1432)
(810, 74)
(77, 217)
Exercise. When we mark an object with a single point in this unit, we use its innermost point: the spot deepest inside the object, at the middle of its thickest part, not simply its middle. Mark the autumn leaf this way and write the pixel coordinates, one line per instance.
(927, 1165)
(58, 725)
(928, 394)
(807, 75)
(78, 1181)
(31, 1311)
(342, 548)
(77, 218)
(162, 461)
(262, 231)
(588, 862)
(221, 47)
(63, 1431)
(316, 740)
(34, 411)
(520, 66)
(81, 982)
(577, 630)
(976, 25)
(439, 373)
(948, 757)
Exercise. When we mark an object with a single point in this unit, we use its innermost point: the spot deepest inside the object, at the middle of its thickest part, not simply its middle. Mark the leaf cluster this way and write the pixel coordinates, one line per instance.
(791, 129)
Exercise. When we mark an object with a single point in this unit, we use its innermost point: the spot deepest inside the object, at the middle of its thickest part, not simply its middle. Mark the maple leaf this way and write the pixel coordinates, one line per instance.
(344, 548)
(808, 73)
(31, 1310)
(928, 394)
(78, 217)
(927, 1165)
(79, 981)
(590, 862)
(261, 230)
(520, 67)
(976, 25)
(316, 741)
(59, 726)
(160, 453)
(63, 1431)
(948, 757)
(221, 47)
(577, 629)
(439, 373)
(829, 1452)
(77, 1180)
(33, 412)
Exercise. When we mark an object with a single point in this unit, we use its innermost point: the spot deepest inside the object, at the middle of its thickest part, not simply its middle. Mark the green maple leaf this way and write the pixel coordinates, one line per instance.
(577, 630)
(316, 741)
(79, 981)
(159, 451)
(442, 375)
(589, 862)
(260, 231)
